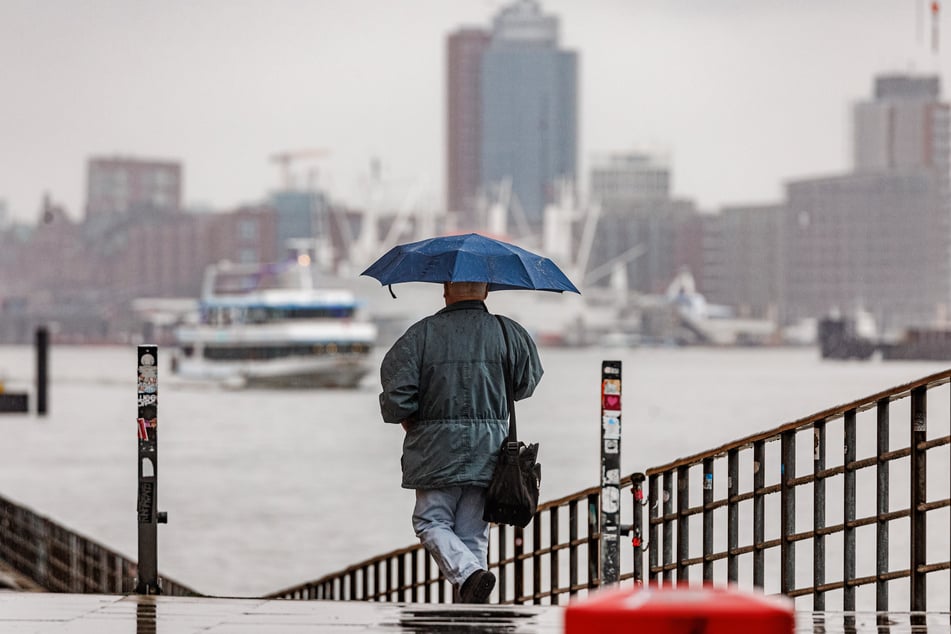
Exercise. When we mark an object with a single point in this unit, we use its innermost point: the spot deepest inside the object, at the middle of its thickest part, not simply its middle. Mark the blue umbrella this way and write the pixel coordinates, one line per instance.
(469, 258)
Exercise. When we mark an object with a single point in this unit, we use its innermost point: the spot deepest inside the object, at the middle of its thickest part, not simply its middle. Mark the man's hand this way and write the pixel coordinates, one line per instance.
(406, 422)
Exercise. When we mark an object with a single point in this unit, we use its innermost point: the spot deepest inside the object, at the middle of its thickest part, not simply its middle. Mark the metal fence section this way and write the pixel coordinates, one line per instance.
(60, 560)
(820, 508)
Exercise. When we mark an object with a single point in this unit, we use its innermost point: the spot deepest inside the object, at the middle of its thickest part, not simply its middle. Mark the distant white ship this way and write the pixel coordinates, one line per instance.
(267, 325)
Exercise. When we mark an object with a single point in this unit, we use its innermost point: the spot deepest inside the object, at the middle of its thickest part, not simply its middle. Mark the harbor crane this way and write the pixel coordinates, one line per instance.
(287, 157)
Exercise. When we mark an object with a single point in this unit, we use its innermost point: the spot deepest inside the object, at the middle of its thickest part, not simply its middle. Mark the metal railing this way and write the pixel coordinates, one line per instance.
(60, 560)
(858, 485)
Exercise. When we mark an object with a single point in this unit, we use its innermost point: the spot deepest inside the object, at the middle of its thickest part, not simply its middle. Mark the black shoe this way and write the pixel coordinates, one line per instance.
(478, 587)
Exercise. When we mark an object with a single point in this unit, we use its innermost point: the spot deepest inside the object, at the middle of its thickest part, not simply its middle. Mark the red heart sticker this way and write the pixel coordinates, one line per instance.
(611, 401)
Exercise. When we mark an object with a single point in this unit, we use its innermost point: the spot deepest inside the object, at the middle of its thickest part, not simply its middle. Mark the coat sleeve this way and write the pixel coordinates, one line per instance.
(399, 374)
(528, 367)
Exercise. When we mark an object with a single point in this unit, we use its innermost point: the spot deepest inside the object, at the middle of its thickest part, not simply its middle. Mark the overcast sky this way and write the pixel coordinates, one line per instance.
(741, 95)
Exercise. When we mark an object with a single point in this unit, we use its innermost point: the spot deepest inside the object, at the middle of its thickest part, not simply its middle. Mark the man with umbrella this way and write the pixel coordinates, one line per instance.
(444, 381)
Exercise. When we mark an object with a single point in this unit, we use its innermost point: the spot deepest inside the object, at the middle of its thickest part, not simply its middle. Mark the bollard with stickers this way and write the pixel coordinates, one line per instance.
(147, 505)
(610, 471)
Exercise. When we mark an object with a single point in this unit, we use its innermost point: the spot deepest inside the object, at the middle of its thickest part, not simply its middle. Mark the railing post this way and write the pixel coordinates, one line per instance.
(683, 524)
(733, 515)
(787, 493)
(881, 528)
(554, 572)
(149, 516)
(653, 529)
(519, 550)
(759, 516)
(707, 519)
(848, 514)
(918, 558)
(610, 560)
(593, 529)
(668, 510)
(572, 547)
(503, 568)
(818, 516)
(637, 540)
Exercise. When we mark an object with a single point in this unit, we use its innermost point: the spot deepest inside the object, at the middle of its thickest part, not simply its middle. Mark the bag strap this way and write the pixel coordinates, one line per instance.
(509, 390)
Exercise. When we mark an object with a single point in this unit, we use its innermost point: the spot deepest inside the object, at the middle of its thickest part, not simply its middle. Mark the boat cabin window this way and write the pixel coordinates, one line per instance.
(224, 316)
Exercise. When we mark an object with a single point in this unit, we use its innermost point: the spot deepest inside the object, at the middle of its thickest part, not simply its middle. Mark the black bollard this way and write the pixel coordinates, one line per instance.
(149, 516)
(610, 471)
(42, 357)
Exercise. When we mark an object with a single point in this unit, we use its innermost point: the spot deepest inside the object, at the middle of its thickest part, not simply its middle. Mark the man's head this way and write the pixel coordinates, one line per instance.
(460, 291)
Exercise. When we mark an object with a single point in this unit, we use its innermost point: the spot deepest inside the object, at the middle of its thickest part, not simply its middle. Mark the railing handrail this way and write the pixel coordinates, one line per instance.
(101, 569)
(859, 405)
(373, 579)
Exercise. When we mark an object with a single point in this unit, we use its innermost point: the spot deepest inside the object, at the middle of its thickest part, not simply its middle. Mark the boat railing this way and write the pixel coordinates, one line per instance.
(798, 510)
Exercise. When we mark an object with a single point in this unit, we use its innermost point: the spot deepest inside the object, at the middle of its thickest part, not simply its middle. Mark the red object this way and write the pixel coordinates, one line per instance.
(680, 610)
(935, 7)
(611, 402)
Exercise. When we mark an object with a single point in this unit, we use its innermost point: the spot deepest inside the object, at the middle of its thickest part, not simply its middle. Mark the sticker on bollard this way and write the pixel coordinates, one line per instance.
(679, 610)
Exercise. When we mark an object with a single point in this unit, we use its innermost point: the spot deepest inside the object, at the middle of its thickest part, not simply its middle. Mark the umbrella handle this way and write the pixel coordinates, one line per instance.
(392, 294)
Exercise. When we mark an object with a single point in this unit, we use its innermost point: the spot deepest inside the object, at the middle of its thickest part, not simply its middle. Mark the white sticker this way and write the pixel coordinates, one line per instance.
(610, 498)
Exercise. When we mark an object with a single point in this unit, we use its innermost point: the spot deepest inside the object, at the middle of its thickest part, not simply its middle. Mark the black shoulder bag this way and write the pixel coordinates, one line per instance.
(512, 496)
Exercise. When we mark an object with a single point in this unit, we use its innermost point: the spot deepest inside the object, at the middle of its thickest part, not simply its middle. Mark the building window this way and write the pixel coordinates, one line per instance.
(248, 229)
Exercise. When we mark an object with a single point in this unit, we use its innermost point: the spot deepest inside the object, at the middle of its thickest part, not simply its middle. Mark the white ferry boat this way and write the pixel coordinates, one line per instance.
(266, 325)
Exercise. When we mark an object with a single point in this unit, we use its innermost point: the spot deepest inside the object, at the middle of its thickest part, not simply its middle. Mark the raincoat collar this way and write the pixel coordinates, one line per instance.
(466, 304)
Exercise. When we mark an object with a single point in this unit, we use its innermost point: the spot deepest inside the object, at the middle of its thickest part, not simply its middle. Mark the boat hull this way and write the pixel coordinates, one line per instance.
(328, 371)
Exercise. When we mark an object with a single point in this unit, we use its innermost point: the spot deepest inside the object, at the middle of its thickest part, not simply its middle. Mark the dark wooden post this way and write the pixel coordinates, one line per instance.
(42, 369)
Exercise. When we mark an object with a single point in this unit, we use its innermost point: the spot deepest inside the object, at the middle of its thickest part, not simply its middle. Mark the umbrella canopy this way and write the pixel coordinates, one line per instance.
(469, 258)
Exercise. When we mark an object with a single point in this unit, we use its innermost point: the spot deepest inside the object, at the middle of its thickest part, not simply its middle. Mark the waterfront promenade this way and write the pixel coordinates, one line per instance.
(42, 613)
(54, 613)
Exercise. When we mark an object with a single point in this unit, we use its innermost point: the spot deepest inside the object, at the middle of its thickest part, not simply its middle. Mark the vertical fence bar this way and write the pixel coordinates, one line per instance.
(554, 540)
(401, 574)
(787, 493)
(732, 515)
(683, 524)
(707, 519)
(653, 531)
(668, 524)
(518, 551)
(881, 527)
(593, 556)
(759, 515)
(637, 540)
(536, 560)
(427, 577)
(848, 513)
(818, 516)
(918, 557)
(572, 548)
(503, 568)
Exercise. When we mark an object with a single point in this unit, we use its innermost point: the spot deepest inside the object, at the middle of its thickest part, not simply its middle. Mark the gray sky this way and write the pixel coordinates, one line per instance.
(741, 95)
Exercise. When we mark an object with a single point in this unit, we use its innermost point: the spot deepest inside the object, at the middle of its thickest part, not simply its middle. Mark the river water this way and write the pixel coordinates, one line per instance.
(268, 489)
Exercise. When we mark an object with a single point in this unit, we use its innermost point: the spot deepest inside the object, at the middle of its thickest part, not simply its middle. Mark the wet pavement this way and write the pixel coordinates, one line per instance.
(42, 613)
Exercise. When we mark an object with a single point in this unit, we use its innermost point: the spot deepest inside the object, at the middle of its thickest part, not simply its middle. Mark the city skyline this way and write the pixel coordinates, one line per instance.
(221, 87)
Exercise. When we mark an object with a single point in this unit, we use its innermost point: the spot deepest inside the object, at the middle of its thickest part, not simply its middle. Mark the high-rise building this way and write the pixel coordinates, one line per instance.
(132, 187)
(512, 103)
(464, 50)
(905, 126)
(641, 230)
(878, 238)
